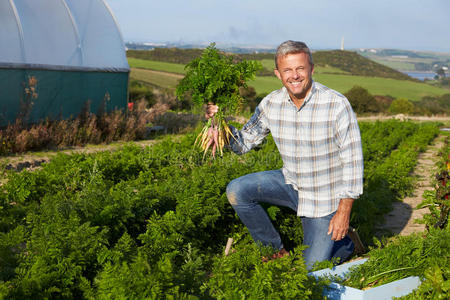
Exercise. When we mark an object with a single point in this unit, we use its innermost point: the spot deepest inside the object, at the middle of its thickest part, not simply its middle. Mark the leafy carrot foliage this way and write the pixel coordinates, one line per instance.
(216, 77)
(153, 222)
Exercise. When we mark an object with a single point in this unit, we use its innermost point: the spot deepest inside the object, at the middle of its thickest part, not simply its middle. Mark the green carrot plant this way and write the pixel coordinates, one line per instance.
(152, 223)
(401, 257)
(426, 254)
(215, 78)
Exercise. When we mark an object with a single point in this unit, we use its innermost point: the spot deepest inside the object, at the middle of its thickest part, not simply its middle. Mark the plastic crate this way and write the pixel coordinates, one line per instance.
(393, 289)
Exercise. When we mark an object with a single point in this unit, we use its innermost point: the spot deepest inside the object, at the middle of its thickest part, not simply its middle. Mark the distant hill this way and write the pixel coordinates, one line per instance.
(172, 55)
(184, 56)
(356, 64)
(347, 61)
(406, 60)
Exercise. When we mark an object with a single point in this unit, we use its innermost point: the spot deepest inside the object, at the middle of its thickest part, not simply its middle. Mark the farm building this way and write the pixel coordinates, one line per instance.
(56, 55)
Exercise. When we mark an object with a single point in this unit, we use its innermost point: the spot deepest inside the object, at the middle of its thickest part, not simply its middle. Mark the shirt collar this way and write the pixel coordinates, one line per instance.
(308, 97)
(311, 92)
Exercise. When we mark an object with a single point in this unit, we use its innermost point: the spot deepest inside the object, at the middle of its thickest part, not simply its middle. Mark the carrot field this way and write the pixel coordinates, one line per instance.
(153, 222)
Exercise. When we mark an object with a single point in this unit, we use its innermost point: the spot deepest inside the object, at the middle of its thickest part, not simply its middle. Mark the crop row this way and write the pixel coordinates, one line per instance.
(153, 222)
(425, 254)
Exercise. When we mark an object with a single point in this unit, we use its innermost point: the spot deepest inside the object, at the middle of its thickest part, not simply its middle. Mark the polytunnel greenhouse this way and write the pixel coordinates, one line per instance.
(58, 55)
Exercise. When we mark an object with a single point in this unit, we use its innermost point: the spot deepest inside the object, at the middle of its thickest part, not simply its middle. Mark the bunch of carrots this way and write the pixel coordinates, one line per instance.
(215, 135)
(216, 77)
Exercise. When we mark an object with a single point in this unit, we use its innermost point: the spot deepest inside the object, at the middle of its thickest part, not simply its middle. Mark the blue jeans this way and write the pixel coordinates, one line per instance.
(245, 193)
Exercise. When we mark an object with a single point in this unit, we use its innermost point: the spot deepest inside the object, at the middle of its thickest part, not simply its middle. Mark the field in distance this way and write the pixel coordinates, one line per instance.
(413, 61)
(166, 75)
(375, 85)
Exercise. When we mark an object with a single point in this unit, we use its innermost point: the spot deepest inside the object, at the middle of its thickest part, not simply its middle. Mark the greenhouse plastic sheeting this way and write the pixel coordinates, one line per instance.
(73, 48)
(59, 94)
(77, 33)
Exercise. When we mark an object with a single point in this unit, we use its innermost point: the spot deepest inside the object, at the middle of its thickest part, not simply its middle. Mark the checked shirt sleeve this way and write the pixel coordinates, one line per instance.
(348, 138)
(251, 135)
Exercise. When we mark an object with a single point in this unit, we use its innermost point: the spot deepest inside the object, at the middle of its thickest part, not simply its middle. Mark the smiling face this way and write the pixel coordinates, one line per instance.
(295, 72)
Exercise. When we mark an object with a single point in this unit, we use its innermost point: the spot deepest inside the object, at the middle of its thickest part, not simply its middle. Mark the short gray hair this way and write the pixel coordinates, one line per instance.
(292, 47)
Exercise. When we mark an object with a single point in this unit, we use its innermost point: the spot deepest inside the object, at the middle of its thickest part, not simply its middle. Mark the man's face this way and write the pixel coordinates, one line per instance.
(295, 72)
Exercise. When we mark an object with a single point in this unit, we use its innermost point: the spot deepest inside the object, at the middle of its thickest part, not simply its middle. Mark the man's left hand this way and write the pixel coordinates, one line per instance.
(340, 222)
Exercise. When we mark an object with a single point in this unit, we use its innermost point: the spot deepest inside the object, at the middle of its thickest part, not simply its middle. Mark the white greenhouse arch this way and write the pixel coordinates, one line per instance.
(53, 39)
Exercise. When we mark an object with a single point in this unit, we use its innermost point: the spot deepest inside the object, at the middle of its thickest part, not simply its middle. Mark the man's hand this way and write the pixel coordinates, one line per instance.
(211, 110)
(340, 222)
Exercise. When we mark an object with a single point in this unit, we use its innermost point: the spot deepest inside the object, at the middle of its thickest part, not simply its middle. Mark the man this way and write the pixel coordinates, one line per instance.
(317, 135)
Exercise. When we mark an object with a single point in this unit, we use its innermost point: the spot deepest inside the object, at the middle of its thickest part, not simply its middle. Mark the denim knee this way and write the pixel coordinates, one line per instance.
(233, 190)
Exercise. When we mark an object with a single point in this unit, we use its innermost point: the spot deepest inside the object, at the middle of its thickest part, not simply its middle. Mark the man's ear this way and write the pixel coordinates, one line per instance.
(277, 73)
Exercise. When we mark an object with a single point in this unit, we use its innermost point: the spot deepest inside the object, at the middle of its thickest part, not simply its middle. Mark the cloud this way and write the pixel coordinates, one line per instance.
(251, 32)
(410, 24)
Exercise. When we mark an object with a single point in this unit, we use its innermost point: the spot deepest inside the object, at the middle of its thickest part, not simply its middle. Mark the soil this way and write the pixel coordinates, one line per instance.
(31, 161)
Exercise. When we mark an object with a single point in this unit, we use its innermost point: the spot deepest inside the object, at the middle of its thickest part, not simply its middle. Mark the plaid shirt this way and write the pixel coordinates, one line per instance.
(319, 143)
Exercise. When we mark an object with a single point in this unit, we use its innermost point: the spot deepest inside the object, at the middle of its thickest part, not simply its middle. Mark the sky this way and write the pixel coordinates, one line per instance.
(321, 24)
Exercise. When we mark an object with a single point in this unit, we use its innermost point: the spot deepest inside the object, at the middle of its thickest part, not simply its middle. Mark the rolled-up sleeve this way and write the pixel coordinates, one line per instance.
(348, 138)
(251, 135)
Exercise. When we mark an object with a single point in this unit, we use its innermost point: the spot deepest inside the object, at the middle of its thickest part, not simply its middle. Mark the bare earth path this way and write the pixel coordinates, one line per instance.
(401, 220)
(33, 160)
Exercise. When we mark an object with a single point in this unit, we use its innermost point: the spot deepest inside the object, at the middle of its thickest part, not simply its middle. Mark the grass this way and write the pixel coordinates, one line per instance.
(398, 65)
(179, 68)
(156, 65)
(161, 79)
(408, 63)
(265, 84)
(329, 76)
(328, 70)
(375, 85)
(381, 86)
(268, 64)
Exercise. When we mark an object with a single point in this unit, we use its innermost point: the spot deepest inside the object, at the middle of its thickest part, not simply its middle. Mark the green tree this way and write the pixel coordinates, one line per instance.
(362, 101)
(401, 106)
